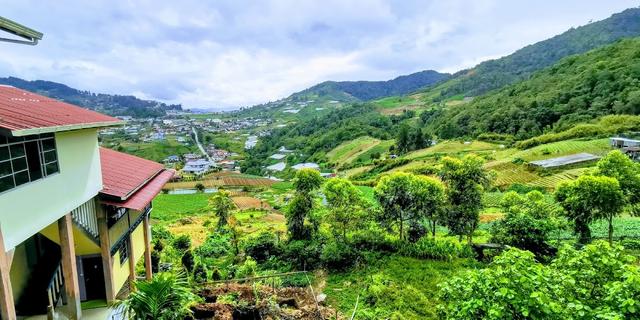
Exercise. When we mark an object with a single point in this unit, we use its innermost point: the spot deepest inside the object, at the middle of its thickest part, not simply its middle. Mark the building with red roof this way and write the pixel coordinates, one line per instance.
(75, 216)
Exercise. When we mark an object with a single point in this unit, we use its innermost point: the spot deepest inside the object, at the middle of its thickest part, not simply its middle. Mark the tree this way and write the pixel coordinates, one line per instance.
(166, 297)
(597, 282)
(618, 166)
(403, 139)
(221, 204)
(527, 222)
(305, 182)
(345, 203)
(466, 181)
(419, 140)
(405, 197)
(590, 198)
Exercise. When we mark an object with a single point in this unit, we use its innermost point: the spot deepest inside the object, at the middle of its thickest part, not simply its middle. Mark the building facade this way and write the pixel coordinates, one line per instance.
(74, 218)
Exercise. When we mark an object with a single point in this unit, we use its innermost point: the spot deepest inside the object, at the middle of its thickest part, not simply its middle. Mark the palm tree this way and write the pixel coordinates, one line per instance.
(166, 297)
(221, 204)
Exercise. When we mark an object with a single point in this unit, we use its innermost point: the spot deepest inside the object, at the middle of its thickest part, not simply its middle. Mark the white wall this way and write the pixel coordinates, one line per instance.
(29, 208)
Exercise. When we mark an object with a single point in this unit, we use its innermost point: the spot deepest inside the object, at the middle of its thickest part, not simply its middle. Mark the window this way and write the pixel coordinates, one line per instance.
(114, 214)
(124, 250)
(26, 159)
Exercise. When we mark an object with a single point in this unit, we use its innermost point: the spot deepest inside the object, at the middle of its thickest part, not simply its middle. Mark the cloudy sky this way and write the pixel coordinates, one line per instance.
(225, 54)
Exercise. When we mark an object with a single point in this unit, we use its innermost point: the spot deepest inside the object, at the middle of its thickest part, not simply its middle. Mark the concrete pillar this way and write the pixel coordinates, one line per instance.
(69, 267)
(147, 248)
(105, 252)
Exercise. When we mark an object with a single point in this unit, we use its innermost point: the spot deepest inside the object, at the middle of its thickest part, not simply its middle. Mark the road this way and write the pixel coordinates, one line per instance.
(195, 135)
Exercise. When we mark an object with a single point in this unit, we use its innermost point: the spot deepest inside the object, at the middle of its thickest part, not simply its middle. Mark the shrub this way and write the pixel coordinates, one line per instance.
(161, 233)
(262, 247)
(337, 255)
(247, 269)
(188, 261)
(215, 275)
(182, 242)
(372, 238)
(631, 244)
(597, 282)
(436, 249)
(216, 245)
(155, 261)
(200, 187)
(303, 254)
(200, 273)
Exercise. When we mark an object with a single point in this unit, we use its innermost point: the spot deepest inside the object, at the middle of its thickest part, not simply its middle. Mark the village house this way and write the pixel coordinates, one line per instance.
(75, 217)
(197, 167)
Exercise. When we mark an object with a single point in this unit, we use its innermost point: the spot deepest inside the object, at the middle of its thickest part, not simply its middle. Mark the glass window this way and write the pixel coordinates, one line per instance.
(51, 168)
(21, 178)
(50, 156)
(124, 251)
(26, 159)
(4, 153)
(48, 144)
(19, 164)
(17, 150)
(5, 168)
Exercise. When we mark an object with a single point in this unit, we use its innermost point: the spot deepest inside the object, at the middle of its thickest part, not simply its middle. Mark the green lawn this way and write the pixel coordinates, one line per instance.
(170, 207)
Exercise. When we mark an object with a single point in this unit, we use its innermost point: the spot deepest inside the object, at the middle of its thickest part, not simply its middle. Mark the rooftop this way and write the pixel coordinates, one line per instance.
(24, 113)
(566, 160)
(124, 174)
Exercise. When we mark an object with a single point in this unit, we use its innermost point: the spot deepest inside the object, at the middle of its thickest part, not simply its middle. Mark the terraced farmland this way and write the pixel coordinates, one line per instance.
(509, 173)
(563, 148)
(452, 147)
(550, 182)
(350, 150)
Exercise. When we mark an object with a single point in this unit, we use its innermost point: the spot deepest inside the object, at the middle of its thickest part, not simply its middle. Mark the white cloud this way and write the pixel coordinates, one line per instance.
(238, 53)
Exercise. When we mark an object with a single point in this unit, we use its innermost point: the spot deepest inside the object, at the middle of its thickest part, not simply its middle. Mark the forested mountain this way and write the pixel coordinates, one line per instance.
(369, 90)
(116, 105)
(577, 89)
(521, 64)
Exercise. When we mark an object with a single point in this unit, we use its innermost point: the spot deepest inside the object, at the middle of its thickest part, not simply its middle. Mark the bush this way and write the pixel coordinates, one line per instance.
(182, 242)
(216, 245)
(262, 247)
(337, 255)
(597, 282)
(187, 261)
(200, 187)
(155, 261)
(200, 273)
(436, 249)
(160, 233)
(303, 254)
(372, 238)
(630, 244)
(247, 269)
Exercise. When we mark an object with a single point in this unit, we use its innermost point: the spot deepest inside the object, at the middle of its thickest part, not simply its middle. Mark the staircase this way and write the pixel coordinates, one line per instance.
(36, 296)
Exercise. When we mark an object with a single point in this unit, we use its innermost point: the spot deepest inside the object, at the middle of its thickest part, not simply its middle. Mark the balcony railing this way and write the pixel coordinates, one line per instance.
(85, 217)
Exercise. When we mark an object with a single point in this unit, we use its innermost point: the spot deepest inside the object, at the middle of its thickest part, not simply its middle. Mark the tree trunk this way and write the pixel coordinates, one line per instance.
(610, 229)
(401, 233)
(433, 228)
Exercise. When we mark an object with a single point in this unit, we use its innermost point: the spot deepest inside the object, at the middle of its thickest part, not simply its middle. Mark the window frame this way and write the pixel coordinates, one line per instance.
(13, 143)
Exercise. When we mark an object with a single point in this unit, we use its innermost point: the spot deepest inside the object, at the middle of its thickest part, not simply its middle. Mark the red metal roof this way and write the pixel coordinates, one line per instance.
(144, 196)
(23, 113)
(124, 174)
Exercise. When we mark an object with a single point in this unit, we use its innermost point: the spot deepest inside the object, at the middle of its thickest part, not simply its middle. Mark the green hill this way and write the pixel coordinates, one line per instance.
(579, 88)
(116, 105)
(521, 64)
